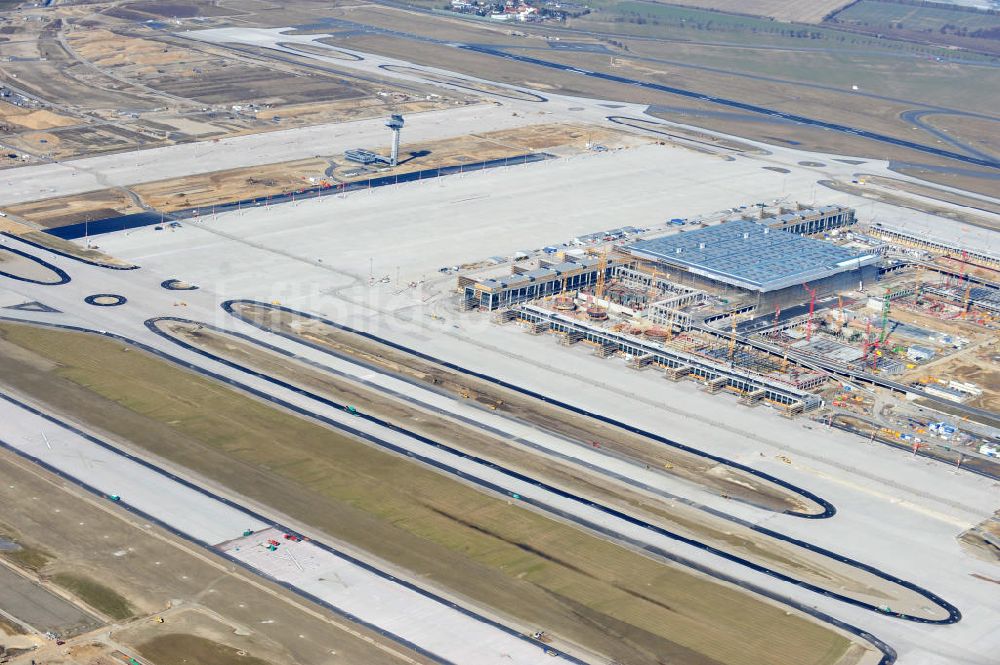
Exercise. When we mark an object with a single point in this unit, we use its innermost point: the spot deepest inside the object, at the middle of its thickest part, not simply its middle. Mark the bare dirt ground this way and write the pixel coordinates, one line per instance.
(545, 573)
(59, 211)
(961, 267)
(27, 118)
(199, 77)
(148, 88)
(231, 185)
(322, 112)
(935, 193)
(800, 12)
(8, 225)
(977, 367)
(677, 517)
(25, 268)
(69, 142)
(196, 593)
(71, 248)
(196, 636)
(983, 540)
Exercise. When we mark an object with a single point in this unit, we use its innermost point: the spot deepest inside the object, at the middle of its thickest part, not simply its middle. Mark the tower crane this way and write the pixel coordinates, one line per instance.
(886, 306)
(602, 267)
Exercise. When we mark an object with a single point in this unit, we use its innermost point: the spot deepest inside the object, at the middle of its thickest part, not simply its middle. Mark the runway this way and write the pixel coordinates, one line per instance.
(147, 299)
(364, 594)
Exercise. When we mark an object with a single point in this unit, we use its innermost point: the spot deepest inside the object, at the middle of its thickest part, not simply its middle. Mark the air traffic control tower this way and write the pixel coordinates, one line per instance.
(395, 123)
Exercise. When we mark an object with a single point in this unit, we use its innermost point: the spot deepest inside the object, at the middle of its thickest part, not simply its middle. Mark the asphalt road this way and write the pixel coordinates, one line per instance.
(731, 103)
(41, 609)
(828, 508)
(976, 158)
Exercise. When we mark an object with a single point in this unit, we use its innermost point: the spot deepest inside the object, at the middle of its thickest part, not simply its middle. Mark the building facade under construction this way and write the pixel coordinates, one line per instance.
(524, 284)
(920, 240)
(809, 221)
(759, 265)
(717, 369)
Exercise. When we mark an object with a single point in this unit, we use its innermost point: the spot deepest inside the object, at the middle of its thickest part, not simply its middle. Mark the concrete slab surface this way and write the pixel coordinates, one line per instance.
(34, 605)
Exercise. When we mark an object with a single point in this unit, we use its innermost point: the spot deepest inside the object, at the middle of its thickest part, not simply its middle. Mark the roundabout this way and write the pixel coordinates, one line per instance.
(105, 300)
(177, 285)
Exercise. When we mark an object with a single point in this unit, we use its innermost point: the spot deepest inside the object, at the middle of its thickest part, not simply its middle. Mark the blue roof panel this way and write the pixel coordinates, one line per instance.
(750, 254)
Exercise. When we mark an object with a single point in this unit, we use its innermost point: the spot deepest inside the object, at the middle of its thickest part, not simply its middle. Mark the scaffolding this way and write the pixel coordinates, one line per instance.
(922, 240)
(664, 315)
(677, 362)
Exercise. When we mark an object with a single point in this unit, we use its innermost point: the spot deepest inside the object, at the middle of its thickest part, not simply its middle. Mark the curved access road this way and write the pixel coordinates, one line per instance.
(916, 117)
(825, 508)
(547, 498)
(25, 267)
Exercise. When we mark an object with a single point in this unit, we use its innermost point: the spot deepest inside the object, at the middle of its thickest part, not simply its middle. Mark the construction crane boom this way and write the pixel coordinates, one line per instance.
(602, 267)
(886, 306)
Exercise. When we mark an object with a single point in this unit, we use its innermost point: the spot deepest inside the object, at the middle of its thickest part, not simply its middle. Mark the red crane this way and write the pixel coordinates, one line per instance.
(872, 344)
(812, 308)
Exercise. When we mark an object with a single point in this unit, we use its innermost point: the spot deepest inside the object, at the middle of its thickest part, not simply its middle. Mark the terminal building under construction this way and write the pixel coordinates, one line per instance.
(651, 301)
(760, 265)
(550, 278)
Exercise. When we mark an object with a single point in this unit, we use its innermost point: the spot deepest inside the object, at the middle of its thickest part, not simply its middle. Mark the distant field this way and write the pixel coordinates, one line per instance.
(801, 11)
(977, 30)
(691, 24)
(876, 13)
